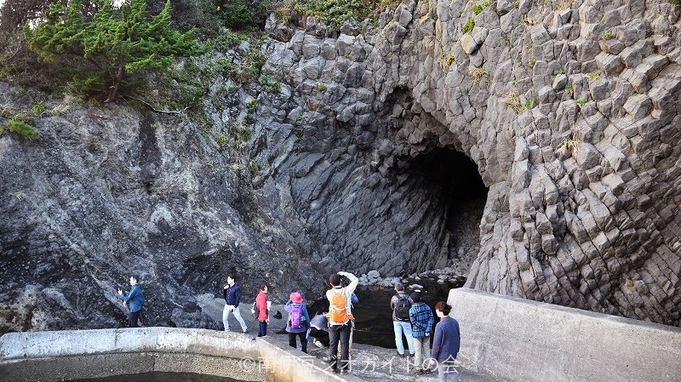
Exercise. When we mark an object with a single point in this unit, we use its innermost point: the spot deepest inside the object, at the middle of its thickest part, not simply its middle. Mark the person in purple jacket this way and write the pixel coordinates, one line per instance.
(298, 321)
(446, 343)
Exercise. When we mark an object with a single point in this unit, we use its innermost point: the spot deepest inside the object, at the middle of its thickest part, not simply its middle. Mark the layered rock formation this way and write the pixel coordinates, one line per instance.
(379, 148)
(569, 110)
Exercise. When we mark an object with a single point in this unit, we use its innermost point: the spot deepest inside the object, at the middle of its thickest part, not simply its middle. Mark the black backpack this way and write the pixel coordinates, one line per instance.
(402, 307)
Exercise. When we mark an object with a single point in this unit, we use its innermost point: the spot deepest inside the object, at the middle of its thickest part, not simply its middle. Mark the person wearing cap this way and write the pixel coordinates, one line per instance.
(422, 319)
(400, 304)
(446, 343)
(295, 303)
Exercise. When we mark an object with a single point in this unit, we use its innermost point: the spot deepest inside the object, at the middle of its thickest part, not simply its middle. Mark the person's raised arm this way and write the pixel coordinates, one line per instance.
(354, 281)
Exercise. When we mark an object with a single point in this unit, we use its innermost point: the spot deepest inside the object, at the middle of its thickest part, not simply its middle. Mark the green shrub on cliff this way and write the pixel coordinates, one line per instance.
(335, 12)
(468, 26)
(22, 129)
(479, 7)
(112, 44)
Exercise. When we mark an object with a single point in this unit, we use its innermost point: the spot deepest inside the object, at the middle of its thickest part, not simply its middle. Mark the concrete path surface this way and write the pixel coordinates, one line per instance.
(369, 363)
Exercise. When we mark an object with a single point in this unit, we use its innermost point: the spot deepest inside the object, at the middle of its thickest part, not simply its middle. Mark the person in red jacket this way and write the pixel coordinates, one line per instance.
(262, 306)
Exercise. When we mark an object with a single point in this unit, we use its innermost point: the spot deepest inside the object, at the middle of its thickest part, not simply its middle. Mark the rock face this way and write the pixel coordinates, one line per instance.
(569, 111)
(554, 128)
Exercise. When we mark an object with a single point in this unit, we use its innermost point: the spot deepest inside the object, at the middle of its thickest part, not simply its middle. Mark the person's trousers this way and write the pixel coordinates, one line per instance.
(401, 327)
(303, 340)
(446, 370)
(133, 317)
(262, 328)
(339, 333)
(237, 314)
(321, 336)
(422, 353)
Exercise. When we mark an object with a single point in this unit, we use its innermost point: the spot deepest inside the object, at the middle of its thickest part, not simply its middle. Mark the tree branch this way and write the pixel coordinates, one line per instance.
(150, 106)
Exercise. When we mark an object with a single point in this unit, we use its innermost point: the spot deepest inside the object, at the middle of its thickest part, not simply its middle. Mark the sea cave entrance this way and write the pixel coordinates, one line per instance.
(454, 182)
(454, 178)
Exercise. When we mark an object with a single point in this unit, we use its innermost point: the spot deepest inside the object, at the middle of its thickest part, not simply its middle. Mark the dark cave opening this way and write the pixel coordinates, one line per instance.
(454, 183)
(456, 173)
(455, 177)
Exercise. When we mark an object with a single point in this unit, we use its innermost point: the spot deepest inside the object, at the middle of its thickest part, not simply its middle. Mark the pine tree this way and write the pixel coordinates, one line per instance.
(115, 42)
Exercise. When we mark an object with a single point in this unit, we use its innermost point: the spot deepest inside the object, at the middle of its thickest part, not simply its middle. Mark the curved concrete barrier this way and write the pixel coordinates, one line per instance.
(522, 340)
(82, 354)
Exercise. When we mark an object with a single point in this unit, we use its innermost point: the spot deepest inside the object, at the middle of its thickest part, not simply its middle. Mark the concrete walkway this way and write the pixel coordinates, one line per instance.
(369, 363)
(373, 363)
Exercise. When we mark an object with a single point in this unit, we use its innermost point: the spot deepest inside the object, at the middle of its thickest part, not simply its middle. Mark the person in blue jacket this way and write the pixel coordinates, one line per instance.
(446, 343)
(134, 300)
(421, 317)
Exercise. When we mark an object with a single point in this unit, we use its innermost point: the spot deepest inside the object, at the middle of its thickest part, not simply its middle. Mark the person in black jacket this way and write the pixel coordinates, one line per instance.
(232, 293)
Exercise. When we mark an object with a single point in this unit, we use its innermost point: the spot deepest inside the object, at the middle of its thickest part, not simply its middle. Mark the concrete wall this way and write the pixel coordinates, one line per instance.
(522, 340)
(80, 354)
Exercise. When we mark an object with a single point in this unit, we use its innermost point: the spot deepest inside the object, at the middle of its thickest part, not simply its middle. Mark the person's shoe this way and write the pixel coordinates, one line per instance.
(318, 344)
(400, 355)
(246, 331)
(426, 371)
(416, 371)
(344, 371)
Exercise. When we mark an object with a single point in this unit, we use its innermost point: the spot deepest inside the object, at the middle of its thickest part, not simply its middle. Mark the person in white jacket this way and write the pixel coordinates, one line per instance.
(340, 319)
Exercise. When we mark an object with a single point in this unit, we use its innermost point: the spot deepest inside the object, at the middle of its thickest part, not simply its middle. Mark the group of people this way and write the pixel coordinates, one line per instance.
(412, 318)
(297, 325)
(232, 295)
(333, 329)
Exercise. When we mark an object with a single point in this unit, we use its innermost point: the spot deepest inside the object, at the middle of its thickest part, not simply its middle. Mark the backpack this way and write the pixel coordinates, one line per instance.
(338, 308)
(402, 307)
(296, 317)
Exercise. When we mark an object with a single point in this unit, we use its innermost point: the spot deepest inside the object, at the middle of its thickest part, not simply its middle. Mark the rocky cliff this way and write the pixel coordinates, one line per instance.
(531, 146)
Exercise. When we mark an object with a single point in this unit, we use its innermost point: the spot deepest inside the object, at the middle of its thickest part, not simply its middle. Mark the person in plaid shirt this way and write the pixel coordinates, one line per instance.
(422, 319)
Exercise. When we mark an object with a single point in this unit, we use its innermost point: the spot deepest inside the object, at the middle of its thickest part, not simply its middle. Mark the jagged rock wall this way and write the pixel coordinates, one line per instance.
(106, 192)
(569, 109)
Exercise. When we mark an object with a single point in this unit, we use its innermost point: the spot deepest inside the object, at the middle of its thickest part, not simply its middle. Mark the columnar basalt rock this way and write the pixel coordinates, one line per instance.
(567, 110)
(591, 191)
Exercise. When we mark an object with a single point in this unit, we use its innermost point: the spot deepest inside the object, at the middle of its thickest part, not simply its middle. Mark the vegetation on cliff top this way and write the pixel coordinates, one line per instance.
(100, 49)
(113, 44)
